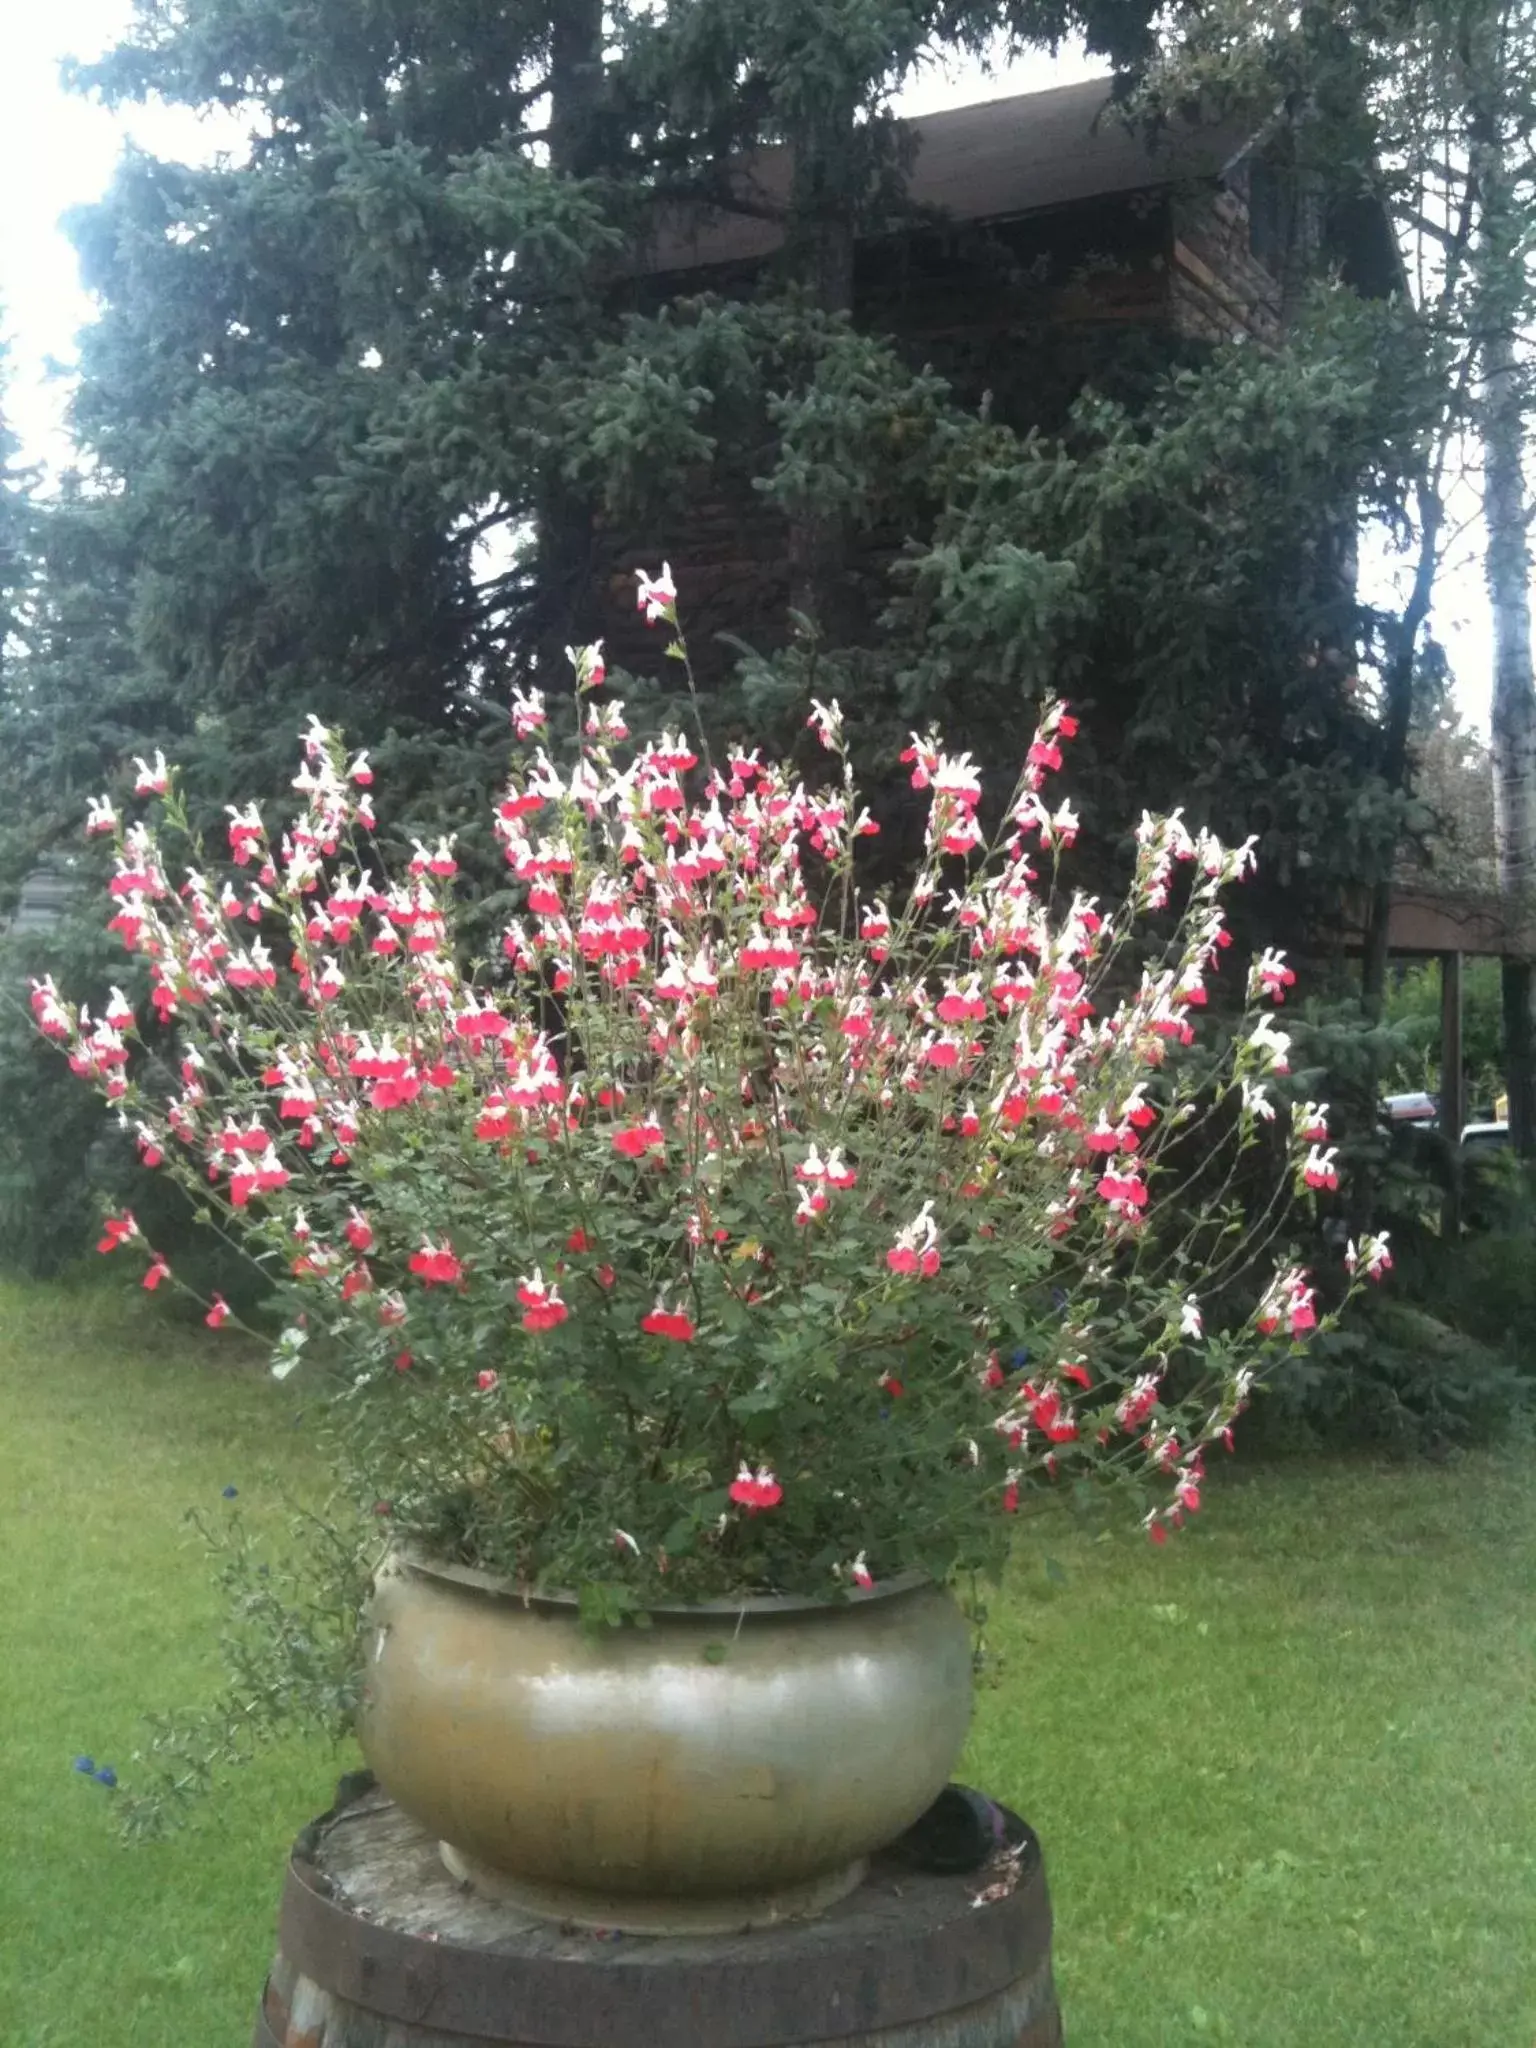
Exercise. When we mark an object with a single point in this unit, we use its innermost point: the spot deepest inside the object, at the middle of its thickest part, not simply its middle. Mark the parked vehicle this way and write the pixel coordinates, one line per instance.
(1415, 1108)
(1481, 1138)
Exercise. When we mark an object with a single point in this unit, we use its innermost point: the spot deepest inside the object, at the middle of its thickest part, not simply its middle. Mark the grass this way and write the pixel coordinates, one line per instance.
(1283, 1769)
(114, 1423)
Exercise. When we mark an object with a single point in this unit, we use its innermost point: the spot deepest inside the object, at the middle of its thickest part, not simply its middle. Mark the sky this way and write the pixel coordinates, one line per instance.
(58, 150)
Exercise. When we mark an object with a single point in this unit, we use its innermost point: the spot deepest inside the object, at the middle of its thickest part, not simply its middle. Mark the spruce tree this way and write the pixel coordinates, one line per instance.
(15, 574)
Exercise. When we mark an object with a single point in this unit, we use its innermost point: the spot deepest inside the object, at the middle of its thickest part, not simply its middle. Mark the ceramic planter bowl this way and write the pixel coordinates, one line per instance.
(730, 1766)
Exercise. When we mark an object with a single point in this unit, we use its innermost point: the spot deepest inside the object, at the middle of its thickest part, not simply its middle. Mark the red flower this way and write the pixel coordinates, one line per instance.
(358, 1231)
(217, 1313)
(1128, 1191)
(916, 1250)
(655, 594)
(1372, 1254)
(158, 1271)
(117, 1230)
(1137, 1405)
(837, 1173)
(578, 1241)
(1311, 1123)
(755, 1491)
(635, 1140)
(487, 1381)
(958, 1003)
(662, 1321)
(1271, 975)
(394, 1091)
(495, 1119)
(436, 1265)
(542, 1307)
(1319, 1170)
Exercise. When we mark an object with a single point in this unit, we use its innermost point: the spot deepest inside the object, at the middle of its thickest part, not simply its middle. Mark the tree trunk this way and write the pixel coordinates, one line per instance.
(565, 541)
(820, 237)
(576, 83)
(1304, 235)
(1514, 711)
(1398, 726)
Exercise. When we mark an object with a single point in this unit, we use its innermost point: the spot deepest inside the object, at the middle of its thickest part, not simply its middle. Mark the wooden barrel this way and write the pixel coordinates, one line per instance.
(378, 1947)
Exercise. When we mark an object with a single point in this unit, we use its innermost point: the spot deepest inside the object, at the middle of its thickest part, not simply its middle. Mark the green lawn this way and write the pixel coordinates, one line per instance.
(114, 1423)
(1285, 1770)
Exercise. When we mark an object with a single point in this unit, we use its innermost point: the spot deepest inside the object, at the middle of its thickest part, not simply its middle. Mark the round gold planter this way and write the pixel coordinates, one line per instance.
(728, 1767)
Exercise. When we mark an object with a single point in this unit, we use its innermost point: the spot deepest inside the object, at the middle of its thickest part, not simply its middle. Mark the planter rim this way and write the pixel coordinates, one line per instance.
(477, 1581)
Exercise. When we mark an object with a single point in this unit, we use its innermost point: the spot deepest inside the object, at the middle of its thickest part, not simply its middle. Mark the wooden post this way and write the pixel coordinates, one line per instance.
(1453, 1085)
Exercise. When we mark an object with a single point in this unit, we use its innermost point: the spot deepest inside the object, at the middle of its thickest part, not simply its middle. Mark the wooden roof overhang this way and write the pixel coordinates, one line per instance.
(1001, 160)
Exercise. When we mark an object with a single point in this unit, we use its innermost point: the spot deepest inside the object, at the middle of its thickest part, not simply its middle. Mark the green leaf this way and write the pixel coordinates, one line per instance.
(761, 1401)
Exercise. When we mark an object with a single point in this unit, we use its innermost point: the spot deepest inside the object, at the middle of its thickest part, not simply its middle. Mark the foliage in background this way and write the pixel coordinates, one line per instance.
(1413, 1002)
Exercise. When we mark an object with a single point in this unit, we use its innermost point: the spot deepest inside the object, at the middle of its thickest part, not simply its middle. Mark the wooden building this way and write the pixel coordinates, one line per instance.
(1042, 241)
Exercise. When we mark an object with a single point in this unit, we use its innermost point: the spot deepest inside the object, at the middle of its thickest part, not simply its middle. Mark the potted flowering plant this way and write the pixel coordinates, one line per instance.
(733, 1254)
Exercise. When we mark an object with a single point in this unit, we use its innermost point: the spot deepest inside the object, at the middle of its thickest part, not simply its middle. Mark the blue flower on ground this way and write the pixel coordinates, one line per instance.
(105, 1776)
(85, 1765)
(1019, 1359)
(230, 1492)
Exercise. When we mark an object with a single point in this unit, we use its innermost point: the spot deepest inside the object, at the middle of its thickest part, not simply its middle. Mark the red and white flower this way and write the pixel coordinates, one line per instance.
(655, 595)
(1289, 1302)
(542, 1307)
(116, 1230)
(436, 1265)
(916, 1250)
(153, 777)
(1270, 976)
(826, 721)
(1372, 1257)
(1318, 1170)
(662, 1321)
(528, 713)
(757, 1490)
(1309, 1121)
